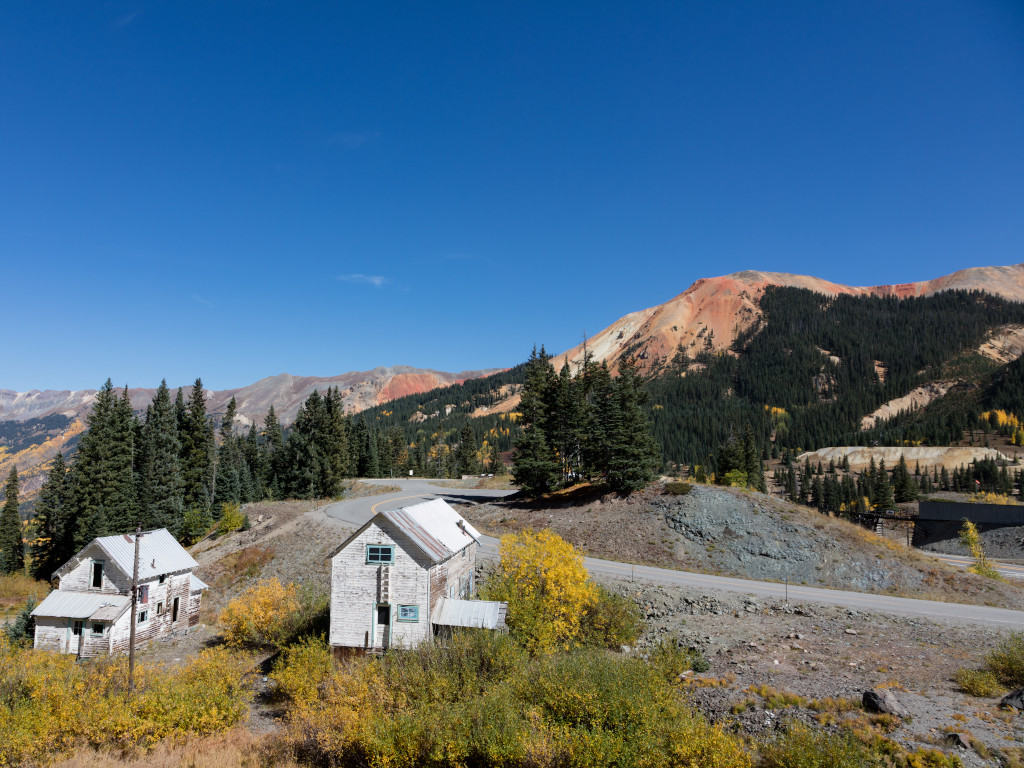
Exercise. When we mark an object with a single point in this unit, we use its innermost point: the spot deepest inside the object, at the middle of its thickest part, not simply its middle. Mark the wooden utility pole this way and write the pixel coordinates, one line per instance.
(135, 602)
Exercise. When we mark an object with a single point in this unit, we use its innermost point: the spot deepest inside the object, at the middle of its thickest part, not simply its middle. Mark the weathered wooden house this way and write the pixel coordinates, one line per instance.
(89, 613)
(405, 576)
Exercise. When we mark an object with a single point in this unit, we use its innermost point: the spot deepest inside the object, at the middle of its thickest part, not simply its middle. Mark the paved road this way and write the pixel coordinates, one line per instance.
(1007, 570)
(358, 511)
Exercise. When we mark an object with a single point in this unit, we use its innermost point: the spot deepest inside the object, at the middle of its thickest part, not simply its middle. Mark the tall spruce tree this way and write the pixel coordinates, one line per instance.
(465, 456)
(12, 546)
(162, 489)
(197, 452)
(533, 464)
(54, 544)
(103, 472)
(228, 487)
(635, 456)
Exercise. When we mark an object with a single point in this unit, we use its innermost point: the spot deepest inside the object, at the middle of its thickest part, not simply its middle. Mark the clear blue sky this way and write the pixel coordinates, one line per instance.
(234, 190)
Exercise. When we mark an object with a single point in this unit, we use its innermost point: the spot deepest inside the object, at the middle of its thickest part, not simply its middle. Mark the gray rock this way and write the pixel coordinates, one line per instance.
(959, 740)
(1013, 699)
(883, 700)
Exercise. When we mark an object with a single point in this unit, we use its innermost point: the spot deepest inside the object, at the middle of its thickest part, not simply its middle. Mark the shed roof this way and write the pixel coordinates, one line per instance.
(65, 604)
(435, 527)
(159, 553)
(485, 614)
(196, 584)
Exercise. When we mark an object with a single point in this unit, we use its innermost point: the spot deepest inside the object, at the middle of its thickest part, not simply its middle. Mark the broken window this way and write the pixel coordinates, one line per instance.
(143, 617)
(163, 577)
(76, 628)
(97, 574)
(97, 629)
(159, 608)
(144, 593)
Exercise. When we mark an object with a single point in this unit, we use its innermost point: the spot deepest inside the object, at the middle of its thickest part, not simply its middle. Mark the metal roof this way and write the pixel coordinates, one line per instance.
(65, 604)
(485, 614)
(159, 553)
(196, 584)
(435, 527)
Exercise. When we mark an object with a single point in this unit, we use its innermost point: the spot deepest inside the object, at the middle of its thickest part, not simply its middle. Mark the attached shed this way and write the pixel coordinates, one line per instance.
(389, 577)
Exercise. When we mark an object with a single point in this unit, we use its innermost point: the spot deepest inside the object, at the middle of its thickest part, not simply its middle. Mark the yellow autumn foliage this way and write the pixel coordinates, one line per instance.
(266, 614)
(548, 590)
(51, 703)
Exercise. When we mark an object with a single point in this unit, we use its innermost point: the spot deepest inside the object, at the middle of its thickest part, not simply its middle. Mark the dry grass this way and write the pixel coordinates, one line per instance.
(16, 588)
(357, 489)
(241, 566)
(238, 748)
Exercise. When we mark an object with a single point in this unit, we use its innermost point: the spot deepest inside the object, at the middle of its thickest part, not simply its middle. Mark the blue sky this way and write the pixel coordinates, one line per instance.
(233, 190)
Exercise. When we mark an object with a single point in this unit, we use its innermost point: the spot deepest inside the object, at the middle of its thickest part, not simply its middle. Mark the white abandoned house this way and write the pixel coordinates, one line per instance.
(405, 576)
(89, 614)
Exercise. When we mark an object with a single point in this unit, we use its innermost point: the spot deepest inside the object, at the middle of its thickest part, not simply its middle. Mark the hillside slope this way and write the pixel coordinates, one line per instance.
(711, 313)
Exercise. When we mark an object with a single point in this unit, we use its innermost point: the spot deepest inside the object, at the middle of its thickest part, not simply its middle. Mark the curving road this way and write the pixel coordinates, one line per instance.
(358, 511)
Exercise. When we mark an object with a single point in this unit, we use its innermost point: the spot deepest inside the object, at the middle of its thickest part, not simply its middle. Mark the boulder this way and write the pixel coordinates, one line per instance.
(959, 740)
(1013, 699)
(883, 700)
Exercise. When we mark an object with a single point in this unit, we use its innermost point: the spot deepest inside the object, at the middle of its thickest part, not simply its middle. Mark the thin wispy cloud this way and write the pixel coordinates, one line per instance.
(351, 140)
(375, 280)
(201, 300)
(127, 19)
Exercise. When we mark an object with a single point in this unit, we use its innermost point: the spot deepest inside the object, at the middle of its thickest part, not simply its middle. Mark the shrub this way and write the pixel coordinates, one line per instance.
(195, 524)
(21, 631)
(1006, 660)
(302, 668)
(678, 488)
(971, 540)
(51, 703)
(670, 660)
(542, 578)
(612, 621)
(978, 682)
(800, 747)
(231, 519)
(265, 615)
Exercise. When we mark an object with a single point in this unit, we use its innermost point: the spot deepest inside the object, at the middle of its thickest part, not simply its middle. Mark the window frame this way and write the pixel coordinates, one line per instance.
(380, 547)
(143, 616)
(160, 608)
(416, 614)
(163, 578)
(92, 629)
(92, 573)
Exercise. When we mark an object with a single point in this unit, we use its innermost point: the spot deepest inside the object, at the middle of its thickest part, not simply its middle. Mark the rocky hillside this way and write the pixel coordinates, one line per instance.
(712, 312)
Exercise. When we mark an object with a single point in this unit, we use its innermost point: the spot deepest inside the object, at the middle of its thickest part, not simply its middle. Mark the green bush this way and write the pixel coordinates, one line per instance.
(231, 519)
(612, 621)
(1006, 660)
(978, 682)
(670, 660)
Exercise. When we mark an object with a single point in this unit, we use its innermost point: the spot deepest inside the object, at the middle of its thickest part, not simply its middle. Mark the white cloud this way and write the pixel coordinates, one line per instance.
(375, 280)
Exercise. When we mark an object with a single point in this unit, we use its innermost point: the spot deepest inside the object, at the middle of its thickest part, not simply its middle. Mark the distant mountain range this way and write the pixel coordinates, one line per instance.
(360, 390)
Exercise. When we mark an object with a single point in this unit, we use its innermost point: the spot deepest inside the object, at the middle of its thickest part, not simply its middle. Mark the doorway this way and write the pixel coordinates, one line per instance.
(382, 626)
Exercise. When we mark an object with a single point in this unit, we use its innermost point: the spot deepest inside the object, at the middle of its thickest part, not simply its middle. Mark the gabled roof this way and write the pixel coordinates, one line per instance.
(485, 614)
(64, 604)
(196, 585)
(159, 553)
(433, 526)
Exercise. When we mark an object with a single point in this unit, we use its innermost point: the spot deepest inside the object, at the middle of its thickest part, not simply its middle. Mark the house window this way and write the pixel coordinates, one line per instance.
(97, 574)
(97, 629)
(76, 628)
(380, 554)
(143, 617)
(144, 593)
(159, 608)
(163, 578)
(408, 613)
(464, 551)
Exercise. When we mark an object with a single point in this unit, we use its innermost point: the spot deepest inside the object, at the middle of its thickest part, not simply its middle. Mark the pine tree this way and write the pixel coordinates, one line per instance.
(275, 464)
(533, 464)
(635, 456)
(883, 496)
(228, 486)
(465, 458)
(752, 461)
(497, 466)
(102, 475)
(197, 451)
(161, 493)
(55, 533)
(12, 547)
